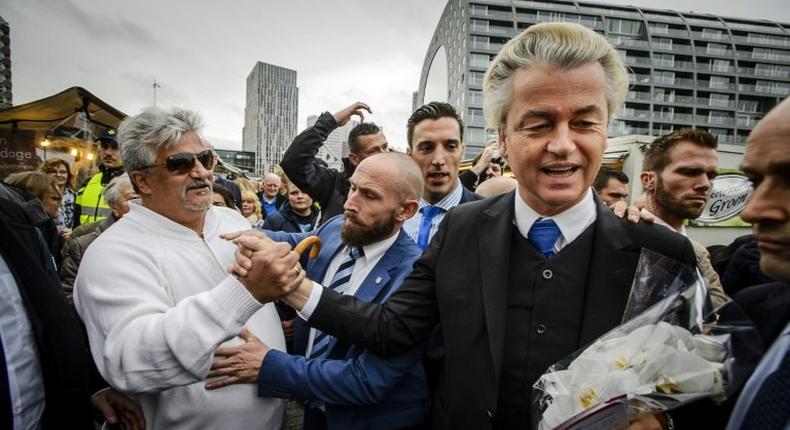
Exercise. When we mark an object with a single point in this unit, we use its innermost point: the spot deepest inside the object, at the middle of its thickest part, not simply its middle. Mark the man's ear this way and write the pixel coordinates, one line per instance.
(648, 179)
(353, 158)
(502, 143)
(140, 179)
(407, 210)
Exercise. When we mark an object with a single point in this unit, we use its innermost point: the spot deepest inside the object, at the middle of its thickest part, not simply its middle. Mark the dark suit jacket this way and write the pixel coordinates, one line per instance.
(360, 390)
(326, 186)
(461, 281)
(69, 375)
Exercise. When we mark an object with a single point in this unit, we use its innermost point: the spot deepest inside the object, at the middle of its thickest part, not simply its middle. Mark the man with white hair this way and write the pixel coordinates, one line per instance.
(153, 290)
(269, 194)
(519, 281)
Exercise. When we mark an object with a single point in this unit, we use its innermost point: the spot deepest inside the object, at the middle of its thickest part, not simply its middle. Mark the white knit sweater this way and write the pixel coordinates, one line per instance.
(157, 301)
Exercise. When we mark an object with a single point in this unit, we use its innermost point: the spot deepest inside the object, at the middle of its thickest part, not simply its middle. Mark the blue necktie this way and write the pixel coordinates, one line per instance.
(428, 214)
(543, 235)
(339, 284)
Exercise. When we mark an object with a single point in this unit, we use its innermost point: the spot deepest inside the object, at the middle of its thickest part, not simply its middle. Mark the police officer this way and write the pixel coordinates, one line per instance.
(89, 205)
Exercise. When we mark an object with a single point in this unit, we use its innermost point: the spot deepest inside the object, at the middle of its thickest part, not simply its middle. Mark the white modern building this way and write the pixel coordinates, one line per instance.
(270, 117)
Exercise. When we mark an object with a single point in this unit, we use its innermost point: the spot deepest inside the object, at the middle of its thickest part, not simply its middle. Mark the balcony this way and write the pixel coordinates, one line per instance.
(670, 32)
(723, 37)
(749, 55)
(713, 52)
(715, 68)
(672, 117)
(673, 99)
(634, 113)
(636, 78)
(545, 5)
(725, 104)
(715, 121)
(781, 74)
(781, 42)
(638, 61)
(778, 91)
(631, 43)
(716, 85)
(638, 95)
(673, 64)
(491, 14)
(746, 122)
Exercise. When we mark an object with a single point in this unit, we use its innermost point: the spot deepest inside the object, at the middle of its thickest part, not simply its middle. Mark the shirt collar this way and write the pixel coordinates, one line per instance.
(449, 201)
(571, 222)
(375, 250)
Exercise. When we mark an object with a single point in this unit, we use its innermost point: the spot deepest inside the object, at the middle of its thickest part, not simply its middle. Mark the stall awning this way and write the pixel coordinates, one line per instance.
(75, 109)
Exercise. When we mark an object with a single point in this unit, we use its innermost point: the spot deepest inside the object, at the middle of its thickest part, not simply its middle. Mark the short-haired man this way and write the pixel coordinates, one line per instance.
(89, 206)
(345, 387)
(435, 135)
(154, 292)
(611, 186)
(521, 280)
(327, 186)
(269, 194)
(763, 401)
(677, 174)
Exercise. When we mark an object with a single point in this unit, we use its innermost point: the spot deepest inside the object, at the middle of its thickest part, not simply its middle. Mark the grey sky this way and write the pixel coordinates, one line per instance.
(201, 51)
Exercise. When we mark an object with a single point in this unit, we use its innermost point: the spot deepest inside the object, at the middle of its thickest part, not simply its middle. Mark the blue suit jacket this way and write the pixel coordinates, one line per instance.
(359, 389)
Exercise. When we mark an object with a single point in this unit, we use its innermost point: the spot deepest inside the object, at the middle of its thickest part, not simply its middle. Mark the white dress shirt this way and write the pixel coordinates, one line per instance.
(25, 384)
(572, 222)
(413, 224)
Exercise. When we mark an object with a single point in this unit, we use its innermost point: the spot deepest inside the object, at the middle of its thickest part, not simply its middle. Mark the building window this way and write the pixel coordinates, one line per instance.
(716, 49)
(664, 60)
(721, 65)
(478, 60)
(712, 33)
(659, 28)
(663, 77)
(719, 100)
(662, 43)
(623, 26)
(719, 82)
(772, 70)
(748, 106)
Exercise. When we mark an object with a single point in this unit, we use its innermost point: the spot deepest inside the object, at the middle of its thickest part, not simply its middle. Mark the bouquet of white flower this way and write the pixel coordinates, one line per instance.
(669, 351)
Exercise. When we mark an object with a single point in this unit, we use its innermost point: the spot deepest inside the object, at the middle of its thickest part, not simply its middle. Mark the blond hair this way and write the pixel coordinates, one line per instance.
(559, 44)
(249, 196)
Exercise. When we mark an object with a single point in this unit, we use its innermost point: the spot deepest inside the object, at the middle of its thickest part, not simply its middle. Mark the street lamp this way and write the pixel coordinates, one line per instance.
(44, 144)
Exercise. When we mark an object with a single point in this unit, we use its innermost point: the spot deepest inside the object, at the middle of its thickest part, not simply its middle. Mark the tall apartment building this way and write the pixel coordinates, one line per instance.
(6, 99)
(270, 117)
(336, 145)
(687, 69)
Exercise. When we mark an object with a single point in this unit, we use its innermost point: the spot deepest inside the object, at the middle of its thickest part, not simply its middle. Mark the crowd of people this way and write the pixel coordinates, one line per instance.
(159, 294)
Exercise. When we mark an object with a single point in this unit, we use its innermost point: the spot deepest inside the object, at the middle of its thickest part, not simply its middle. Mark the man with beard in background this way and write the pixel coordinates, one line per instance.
(677, 175)
(365, 254)
(89, 206)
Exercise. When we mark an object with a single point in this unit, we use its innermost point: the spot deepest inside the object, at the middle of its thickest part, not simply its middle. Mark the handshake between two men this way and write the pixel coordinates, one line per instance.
(269, 270)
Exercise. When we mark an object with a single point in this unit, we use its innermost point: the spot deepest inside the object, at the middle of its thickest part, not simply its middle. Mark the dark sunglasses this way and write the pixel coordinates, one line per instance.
(184, 162)
(108, 144)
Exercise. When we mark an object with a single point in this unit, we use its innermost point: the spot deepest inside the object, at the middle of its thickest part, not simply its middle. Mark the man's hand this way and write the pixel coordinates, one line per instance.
(342, 117)
(238, 364)
(118, 408)
(634, 213)
(489, 152)
(269, 270)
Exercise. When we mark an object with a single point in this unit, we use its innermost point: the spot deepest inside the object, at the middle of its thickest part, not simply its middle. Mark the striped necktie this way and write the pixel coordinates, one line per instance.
(339, 284)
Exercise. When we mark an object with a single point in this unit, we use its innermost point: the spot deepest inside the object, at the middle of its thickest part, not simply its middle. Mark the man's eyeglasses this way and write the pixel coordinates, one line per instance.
(184, 162)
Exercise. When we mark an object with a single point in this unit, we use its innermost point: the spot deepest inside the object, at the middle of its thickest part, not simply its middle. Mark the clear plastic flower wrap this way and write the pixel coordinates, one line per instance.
(671, 349)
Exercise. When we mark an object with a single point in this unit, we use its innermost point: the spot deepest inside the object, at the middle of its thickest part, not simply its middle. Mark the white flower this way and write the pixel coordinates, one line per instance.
(651, 359)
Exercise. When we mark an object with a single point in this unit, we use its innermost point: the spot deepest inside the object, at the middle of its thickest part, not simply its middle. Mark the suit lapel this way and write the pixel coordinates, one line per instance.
(613, 260)
(496, 226)
(378, 278)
